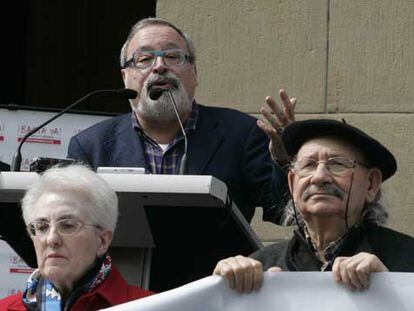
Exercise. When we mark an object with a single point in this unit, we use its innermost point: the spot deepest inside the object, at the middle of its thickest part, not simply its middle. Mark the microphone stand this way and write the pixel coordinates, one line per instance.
(17, 157)
(184, 163)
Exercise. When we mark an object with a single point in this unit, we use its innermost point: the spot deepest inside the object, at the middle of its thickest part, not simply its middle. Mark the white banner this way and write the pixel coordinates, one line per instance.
(285, 291)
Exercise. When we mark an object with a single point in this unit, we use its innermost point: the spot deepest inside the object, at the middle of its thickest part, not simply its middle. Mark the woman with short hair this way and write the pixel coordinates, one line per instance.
(71, 215)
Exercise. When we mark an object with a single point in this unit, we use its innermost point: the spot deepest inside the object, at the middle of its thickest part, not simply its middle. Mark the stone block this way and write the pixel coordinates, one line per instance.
(249, 49)
(371, 56)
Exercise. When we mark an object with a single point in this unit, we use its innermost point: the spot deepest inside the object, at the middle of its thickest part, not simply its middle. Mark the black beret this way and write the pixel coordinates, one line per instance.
(299, 132)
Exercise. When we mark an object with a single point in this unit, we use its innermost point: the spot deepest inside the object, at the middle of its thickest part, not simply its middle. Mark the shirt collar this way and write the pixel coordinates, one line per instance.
(328, 254)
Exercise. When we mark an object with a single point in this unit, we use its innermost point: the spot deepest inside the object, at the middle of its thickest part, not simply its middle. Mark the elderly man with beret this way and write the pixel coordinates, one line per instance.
(335, 184)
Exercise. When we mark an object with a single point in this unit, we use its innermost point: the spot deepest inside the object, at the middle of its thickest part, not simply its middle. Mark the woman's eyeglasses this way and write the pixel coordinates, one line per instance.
(64, 227)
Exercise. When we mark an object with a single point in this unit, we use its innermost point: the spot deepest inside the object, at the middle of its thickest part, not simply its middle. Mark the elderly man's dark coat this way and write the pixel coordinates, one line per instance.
(394, 249)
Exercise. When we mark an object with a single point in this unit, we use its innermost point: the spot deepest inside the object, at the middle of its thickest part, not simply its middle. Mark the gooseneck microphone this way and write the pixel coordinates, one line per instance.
(154, 94)
(17, 157)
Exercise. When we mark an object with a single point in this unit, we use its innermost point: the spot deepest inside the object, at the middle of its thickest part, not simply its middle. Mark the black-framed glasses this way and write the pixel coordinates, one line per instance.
(146, 59)
(66, 226)
(337, 166)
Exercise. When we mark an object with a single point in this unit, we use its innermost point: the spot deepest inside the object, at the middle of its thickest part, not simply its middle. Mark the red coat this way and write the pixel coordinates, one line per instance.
(113, 291)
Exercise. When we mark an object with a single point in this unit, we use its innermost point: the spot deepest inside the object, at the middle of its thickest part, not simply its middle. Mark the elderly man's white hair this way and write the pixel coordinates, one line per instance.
(102, 202)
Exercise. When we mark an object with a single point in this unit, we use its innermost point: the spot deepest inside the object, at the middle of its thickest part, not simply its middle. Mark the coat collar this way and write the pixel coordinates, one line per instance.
(125, 147)
(204, 142)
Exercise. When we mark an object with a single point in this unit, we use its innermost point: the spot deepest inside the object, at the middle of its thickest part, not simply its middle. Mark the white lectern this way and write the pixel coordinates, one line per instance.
(171, 230)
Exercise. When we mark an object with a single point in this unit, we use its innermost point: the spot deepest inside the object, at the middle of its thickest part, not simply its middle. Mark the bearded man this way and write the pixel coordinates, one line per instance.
(224, 143)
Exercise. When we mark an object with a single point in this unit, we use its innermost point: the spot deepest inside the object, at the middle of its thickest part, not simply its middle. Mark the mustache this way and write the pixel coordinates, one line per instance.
(326, 188)
(162, 78)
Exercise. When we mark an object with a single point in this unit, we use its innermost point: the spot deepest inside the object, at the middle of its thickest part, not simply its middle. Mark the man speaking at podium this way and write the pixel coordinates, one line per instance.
(158, 61)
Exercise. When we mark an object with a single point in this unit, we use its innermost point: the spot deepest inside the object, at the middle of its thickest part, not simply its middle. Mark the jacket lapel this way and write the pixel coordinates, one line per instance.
(203, 143)
(125, 148)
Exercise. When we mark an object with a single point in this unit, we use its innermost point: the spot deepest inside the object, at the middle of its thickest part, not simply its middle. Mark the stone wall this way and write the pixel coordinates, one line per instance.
(347, 59)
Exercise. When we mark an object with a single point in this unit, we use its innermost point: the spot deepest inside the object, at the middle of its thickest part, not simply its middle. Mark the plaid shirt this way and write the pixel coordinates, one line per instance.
(327, 255)
(168, 161)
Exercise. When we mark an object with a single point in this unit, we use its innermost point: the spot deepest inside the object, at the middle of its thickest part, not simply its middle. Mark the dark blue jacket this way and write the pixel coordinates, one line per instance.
(226, 144)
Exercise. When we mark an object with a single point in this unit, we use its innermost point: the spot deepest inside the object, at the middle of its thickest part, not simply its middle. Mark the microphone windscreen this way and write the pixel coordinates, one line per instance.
(127, 93)
(154, 94)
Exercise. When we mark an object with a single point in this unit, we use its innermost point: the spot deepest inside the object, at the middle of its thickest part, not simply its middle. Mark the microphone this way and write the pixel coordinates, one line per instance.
(17, 157)
(154, 94)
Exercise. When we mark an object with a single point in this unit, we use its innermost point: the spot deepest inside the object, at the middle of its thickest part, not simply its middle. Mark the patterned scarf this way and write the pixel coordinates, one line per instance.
(42, 295)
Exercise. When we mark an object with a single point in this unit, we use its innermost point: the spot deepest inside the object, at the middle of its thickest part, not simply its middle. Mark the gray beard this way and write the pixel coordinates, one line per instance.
(162, 108)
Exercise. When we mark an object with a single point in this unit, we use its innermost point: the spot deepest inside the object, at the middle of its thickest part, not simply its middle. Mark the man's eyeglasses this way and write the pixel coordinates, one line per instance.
(146, 59)
(67, 226)
(337, 166)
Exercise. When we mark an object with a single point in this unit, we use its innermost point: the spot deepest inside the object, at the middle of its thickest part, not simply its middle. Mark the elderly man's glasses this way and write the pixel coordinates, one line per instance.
(63, 227)
(337, 166)
(146, 59)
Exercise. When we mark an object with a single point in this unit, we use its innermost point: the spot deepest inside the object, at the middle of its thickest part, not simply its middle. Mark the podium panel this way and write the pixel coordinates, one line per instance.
(171, 229)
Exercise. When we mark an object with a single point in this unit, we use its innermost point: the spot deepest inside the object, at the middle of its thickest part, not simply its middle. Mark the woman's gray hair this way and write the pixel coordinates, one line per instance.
(156, 21)
(102, 202)
(373, 213)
